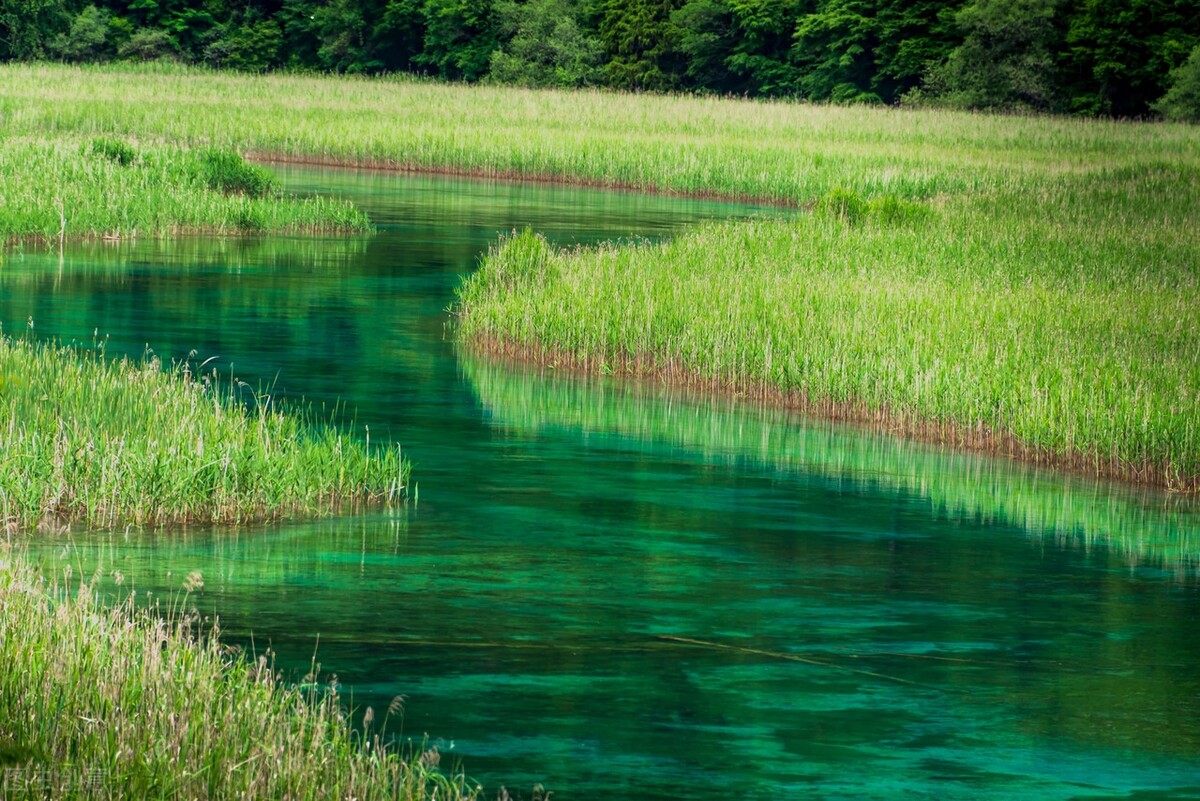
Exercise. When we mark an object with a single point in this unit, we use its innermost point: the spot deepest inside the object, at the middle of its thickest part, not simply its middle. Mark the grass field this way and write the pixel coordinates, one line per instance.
(103, 702)
(102, 443)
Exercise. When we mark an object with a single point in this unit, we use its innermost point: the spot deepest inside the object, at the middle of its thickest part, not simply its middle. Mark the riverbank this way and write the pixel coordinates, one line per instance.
(1020, 283)
(1063, 335)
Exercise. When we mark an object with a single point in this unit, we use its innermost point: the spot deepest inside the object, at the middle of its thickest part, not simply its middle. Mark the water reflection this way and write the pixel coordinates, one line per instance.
(1145, 526)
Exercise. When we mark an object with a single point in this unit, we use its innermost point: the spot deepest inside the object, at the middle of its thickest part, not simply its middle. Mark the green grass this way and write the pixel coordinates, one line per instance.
(788, 152)
(72, 187)
(106, 702)
(108, 444)
(1054, 335)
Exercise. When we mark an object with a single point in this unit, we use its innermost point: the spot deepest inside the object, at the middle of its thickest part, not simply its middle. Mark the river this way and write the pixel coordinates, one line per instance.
(619, 592)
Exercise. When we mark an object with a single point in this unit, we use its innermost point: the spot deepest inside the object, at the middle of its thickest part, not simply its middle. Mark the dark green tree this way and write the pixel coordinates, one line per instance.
(1118, 54)
(90, 37)
(546, 44)
(28, 27)
(640, 40)
(1181, 103)
(460, 37)
(1006, 60)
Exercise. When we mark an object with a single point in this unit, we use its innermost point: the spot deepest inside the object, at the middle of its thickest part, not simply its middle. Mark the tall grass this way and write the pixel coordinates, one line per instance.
(1063, 332)
(102, 443)
(785, 151)
(105, 702)
(72, 188)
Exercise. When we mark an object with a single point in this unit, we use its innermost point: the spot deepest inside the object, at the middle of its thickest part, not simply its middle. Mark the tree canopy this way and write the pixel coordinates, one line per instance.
(1127, 58)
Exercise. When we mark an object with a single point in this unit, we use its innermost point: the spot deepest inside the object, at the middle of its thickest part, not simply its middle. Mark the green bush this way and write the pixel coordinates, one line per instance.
(226, 171)
(843, 204)
(1181, 103)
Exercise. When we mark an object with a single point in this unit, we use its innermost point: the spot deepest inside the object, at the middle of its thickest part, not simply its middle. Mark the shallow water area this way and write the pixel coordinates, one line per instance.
(620, 592)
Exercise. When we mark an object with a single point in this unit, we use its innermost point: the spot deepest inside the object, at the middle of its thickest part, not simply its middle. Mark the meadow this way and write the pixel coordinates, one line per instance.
(1020, 284)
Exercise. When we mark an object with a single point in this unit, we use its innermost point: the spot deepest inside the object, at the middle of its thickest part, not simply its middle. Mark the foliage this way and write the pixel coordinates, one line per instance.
(131, 443)
(89, 38)
(226, 171)
(1182, 102)
(103, 187)
(1093, 57)
(147, 44)
(1005, 60)
(638, 36)
(546, 44)
(460, 37)
(150, 704)
(114, 150)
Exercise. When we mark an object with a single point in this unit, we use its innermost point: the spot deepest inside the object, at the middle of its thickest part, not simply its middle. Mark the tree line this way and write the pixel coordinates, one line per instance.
(1121, 58)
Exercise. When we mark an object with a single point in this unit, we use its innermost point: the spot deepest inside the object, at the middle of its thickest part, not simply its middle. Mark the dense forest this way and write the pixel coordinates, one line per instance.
(1123, 58)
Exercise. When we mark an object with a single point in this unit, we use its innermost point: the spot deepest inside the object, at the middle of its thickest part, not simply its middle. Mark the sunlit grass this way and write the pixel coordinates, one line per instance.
(785, 151)
(101, 443)
(106, 702)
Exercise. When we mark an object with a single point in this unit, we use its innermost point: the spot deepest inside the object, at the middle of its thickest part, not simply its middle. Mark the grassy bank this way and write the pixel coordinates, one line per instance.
(106, 443)
(70, 187)
(1066, 335)
(1021, 284)
(105, 703)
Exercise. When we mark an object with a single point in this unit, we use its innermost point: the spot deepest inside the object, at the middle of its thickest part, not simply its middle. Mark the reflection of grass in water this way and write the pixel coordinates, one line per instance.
(183, 255)
(1144, 525)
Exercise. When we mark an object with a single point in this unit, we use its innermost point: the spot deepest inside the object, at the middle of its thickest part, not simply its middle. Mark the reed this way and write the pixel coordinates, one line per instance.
(103, 701)
(112, 443)
(792, 153)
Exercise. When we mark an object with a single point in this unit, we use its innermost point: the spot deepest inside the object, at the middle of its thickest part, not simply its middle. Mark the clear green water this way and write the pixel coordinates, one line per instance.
(885, 619)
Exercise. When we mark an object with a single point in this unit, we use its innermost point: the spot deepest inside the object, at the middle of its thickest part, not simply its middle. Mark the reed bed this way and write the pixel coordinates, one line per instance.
(106, 444)
(91, 188)
(109, 702)
(1064, 330)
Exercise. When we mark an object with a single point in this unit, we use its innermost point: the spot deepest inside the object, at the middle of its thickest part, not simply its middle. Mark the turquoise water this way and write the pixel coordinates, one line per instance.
(619, 592)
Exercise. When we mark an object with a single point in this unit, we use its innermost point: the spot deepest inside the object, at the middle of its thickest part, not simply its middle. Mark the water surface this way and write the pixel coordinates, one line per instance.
(619, 592)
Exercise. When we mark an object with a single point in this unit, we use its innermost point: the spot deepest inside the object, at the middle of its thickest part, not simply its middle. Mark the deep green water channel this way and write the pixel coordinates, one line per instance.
(874, 618)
